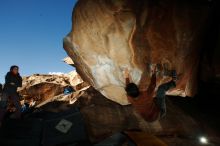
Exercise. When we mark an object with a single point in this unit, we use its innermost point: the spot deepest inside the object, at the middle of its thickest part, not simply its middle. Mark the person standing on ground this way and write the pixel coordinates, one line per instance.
(13, 80)
(0, 88)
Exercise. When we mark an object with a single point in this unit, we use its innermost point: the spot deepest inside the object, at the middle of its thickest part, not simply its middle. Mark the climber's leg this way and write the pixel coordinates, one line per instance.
(161, 94)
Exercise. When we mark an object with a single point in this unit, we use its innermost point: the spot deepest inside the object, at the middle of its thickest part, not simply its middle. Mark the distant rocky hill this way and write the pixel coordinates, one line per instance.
(42, 87)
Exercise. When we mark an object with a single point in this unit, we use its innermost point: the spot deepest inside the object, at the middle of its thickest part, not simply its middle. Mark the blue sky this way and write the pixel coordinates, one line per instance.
(31, 34)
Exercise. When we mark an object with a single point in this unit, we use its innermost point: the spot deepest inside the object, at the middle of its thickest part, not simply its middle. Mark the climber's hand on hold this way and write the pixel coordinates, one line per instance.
(154, 69)
(126, 73)
(174, 75)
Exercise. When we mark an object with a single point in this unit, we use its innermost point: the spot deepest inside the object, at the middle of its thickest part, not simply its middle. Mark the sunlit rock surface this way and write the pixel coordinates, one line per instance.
(43, 87)
(108, 36)
(69, 61)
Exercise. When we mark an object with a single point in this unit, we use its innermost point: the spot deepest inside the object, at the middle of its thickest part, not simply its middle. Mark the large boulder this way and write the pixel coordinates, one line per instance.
(110, 35)
(104, 117)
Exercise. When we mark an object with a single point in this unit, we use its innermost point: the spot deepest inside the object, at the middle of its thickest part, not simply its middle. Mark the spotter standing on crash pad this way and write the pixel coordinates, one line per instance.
(149, 107)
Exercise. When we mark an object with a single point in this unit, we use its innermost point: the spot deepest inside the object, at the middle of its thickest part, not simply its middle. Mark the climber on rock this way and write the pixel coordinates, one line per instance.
(13, 80)
(149, 107)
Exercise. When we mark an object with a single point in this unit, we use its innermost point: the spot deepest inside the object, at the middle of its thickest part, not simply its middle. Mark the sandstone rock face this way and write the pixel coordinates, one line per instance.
(41, 87)
(210, 61)
(69, 61)
(110, 35)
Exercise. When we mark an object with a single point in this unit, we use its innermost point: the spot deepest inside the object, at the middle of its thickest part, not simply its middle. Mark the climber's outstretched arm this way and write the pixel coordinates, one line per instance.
(153, 82)
(127, 81)
(127, 76)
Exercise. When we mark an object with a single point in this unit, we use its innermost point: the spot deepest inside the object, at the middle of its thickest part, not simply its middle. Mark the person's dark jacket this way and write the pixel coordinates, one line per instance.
(0, 88)
(12, 82)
